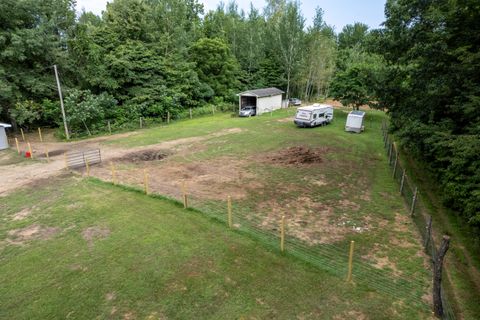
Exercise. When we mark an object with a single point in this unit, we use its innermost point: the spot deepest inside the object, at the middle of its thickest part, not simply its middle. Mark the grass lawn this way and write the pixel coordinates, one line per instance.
(347, 194)
(82, 249)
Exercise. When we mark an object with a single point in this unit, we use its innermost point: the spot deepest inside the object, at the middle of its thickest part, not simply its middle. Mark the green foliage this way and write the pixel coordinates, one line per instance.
(432, 91)
(25, 113)
(216, 66)
(86, 111)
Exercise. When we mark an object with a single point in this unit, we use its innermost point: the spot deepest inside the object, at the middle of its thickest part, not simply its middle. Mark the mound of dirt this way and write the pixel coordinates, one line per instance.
(142, 156)
(298, 155)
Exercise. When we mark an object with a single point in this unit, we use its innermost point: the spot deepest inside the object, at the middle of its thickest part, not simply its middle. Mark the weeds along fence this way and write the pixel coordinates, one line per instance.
(340, 259)
(419, 215)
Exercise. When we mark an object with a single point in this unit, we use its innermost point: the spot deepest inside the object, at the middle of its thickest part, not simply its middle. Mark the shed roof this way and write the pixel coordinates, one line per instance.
(265, 92)
(357, 113)
(5, 125)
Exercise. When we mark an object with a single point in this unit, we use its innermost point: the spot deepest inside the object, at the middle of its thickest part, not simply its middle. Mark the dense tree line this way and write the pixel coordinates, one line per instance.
(144, 58)
(431, 86)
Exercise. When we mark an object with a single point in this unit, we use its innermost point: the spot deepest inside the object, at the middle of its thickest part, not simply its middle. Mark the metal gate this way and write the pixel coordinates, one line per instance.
(78, 159)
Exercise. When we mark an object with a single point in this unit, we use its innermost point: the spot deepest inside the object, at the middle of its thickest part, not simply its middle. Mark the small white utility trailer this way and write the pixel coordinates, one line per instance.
(355, 121)
(314, 115)
(3, 136)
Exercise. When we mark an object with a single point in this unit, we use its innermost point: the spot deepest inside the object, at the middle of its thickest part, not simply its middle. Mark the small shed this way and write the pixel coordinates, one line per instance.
(264, 100)
(3, 136)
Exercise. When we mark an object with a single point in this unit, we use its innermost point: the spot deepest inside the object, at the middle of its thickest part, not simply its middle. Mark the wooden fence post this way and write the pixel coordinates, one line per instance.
(437, 276)
(109, 127)
(402, 182)
(87, 166)
(282, 234)
(141, 123)
(114, 174)
(30, 149)
(168, 117)
(190, 110)
(145, 180)
(23, 135)
(229, 210)
(395, 164)
(213, 110)
(428, 228)
(414, 199)
(46, 154)
(184, 192)
(16, 143)
(350, 261)
(40, 134)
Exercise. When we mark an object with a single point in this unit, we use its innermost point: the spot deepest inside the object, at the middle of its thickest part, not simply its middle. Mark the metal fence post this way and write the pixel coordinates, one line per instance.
(414, 199)
(395, 164)
(402, 182)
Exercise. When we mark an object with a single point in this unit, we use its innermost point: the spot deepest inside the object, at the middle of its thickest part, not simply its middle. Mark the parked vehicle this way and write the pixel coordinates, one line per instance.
(294, 102)
(315, 115)
(355, 121)
(248, 111)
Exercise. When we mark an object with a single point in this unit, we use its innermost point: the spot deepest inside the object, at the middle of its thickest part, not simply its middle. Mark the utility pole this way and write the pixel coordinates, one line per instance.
(61, 103)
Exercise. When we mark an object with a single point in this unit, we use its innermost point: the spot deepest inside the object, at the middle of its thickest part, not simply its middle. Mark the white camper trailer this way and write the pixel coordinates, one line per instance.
(355, 121)
(315, 115)
(3, 136)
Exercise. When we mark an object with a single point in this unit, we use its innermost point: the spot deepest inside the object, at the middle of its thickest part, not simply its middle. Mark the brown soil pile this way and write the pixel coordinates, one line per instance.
(142, 156)
(299, 155)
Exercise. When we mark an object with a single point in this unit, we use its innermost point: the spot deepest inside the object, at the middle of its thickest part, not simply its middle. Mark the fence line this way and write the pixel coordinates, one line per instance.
(420, 217)
(333, 258)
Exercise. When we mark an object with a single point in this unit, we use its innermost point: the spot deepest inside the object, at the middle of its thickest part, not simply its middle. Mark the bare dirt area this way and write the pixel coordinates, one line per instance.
(92, 234)
(33, 232)
(298, 155)
(15, 176)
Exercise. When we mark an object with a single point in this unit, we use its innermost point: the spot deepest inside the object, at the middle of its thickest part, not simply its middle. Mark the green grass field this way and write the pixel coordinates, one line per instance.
(80, 248)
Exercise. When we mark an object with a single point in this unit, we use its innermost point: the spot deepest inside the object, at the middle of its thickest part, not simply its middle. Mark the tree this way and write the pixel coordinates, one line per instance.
(32, 39)
(216, 66)
(432, 92)
(287, 27)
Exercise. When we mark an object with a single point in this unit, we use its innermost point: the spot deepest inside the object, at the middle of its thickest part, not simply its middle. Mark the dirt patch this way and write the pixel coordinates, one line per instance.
(348, 205)
(285, 120)
(33, 232)
(52, 153)
(311, 222)
(22, 214)
(298, 155)
(142, 156)
(93, 233)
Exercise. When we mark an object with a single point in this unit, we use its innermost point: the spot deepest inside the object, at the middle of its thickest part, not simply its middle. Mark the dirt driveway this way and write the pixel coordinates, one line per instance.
(17, 175)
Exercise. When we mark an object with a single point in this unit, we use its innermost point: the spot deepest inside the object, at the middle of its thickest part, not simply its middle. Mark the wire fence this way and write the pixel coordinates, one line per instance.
(409, 286)
(419, 215)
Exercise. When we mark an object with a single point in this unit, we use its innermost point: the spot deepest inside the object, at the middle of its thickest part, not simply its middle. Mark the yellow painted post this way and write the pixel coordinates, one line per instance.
(87, 167)
(350, 261)
(40, 134)
(30, 149)
(229, 208)
(145, 180)
(113, 173)
(65, 158)
(184, 191)
(16, 143)
(23, 135)
(46, 154)
(282, 234)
